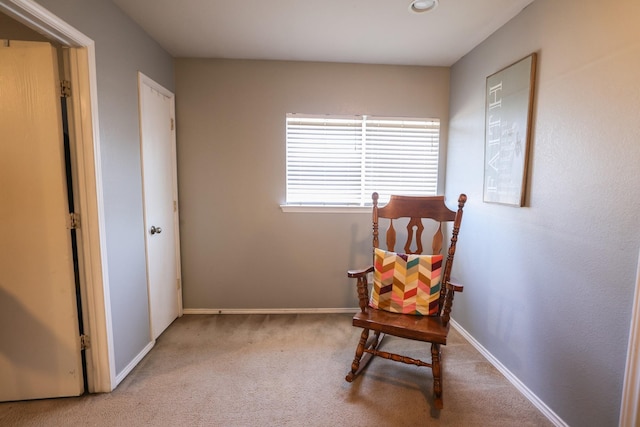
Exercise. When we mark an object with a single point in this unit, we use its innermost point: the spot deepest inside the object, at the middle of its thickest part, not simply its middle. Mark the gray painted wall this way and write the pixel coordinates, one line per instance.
(239, 250)
(122, 49)
(549, 287)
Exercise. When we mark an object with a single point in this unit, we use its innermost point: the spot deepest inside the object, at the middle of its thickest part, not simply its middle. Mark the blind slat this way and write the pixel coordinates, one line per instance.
(341, 160)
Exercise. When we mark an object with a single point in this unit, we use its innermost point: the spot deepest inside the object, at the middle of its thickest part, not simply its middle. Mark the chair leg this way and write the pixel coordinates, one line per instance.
(437, 375)
(359, 350)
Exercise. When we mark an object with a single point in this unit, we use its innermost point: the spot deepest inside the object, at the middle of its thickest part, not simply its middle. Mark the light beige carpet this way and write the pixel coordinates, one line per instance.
(286, 370)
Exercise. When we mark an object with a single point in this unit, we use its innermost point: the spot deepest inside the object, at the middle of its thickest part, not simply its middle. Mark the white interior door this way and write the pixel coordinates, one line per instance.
(39, 335)
(158, 142)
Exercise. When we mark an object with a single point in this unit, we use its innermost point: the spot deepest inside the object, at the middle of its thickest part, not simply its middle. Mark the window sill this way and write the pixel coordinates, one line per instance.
(325, 209)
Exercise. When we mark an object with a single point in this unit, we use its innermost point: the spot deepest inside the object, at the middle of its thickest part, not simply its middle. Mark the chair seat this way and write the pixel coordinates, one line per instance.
(420, 328)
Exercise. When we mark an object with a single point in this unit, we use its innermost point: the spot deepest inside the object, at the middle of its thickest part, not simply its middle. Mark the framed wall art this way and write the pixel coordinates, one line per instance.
(508, 113)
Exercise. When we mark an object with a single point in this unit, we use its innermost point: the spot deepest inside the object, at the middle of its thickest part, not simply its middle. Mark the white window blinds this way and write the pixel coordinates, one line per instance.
(340, 161)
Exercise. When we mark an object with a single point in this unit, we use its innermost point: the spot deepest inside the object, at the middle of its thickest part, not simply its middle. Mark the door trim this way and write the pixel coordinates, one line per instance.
(86, 144)
(629, 411)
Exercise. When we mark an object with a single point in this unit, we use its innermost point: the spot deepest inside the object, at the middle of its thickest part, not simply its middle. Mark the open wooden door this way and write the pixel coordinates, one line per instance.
(40, 353)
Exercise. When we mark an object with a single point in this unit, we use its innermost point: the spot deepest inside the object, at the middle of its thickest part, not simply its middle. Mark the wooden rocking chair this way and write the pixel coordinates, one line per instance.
(428, 328)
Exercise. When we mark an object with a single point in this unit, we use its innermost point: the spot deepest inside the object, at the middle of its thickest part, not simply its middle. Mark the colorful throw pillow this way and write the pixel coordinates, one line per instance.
(404, 283)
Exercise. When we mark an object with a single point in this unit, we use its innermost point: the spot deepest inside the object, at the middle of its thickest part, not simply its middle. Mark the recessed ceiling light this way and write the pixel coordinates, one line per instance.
(420, 6)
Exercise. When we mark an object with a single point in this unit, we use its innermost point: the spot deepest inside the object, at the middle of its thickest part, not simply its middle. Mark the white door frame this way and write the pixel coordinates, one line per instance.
(629, 411)
(86, 144)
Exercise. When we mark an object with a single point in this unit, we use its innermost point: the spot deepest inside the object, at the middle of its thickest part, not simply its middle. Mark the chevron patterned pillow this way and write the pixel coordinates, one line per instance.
(405, 283)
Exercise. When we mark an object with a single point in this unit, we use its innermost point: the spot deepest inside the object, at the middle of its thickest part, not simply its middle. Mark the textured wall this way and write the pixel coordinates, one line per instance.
(549, 287)
(239, 250)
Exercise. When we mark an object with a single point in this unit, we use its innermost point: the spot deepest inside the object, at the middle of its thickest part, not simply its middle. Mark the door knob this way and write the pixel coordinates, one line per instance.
(155, 230)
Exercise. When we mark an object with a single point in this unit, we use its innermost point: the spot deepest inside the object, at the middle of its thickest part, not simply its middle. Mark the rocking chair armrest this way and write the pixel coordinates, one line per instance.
(455, 287)
(360, 272)
(446, 300)
(362, 286)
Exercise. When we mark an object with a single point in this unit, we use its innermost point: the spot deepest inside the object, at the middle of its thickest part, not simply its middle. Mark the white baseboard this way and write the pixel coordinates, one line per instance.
(537, 402)
(123, 374)
(270, 310)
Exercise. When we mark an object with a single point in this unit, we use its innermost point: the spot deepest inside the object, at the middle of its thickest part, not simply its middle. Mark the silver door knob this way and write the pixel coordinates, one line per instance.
(155, 230)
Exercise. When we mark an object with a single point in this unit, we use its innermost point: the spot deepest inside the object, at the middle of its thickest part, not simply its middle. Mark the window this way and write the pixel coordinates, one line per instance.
(341, 160)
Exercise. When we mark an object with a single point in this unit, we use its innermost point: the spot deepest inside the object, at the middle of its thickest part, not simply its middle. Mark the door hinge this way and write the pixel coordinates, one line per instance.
(74, 221)
(178, 284)
(65, 88)
(85, 342)
(175, 206)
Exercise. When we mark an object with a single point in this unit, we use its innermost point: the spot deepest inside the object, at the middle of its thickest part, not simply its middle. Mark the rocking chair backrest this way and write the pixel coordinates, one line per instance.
(415, 209)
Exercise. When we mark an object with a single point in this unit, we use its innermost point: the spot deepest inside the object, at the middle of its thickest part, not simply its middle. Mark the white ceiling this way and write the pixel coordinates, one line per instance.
(359, 31)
